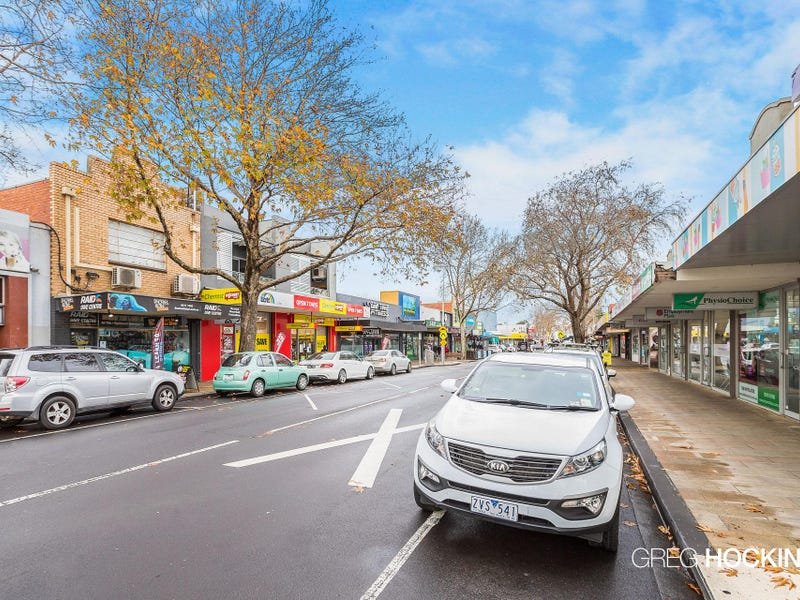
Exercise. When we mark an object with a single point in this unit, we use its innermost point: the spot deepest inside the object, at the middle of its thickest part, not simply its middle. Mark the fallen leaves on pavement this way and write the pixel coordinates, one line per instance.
(695, 589)
(783, 581)
(729, 571)
(755, 508)
(665, 530)
(704, 528)
(630, 523)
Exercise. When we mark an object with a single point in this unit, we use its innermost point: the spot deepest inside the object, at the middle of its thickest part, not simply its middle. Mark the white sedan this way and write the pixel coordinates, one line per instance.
(389, 361)
(337, 366)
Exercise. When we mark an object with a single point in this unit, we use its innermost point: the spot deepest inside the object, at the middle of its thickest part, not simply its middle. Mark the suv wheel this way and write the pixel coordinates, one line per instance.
(342, 376)
(57, 412)
(610, 540)
(408, 370)
(164, 398)
(393, 370)
(370, 373)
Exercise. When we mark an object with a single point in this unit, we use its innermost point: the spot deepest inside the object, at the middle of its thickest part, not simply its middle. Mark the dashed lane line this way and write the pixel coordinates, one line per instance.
(97, 478)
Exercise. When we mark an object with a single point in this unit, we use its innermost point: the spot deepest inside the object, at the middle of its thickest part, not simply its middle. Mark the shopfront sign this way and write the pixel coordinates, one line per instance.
(377, 309)
(278, 299)
(667, 314)
(300, 325)
(222, 296)
(306, 303)
(77, 317)
(409, 307)
(134, 304)
(158, 345)
(714, 300)
(325, 321)
(355, 310)
(333, 307)
(348, 328)
(262, 342)
(371, 331)
(638, 322)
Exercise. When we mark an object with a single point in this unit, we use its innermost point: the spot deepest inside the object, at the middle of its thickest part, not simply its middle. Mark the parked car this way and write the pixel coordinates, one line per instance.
(337, 366)
(255, 372)
(389, 361)
(53, 384)
(494, 348)
(586, 351)
(528, 440)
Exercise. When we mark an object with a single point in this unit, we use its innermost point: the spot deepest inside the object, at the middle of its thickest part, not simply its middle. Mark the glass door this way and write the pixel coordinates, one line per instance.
(663, 350)
(721, 360)
(695, 350)
(677, 348)
(707, 362)
(791, 358)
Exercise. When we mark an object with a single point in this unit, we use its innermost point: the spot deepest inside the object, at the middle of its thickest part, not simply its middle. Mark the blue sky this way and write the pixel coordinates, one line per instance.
(525, 91)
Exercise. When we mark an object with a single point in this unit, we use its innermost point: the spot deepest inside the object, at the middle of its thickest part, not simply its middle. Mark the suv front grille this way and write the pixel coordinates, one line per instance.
(522, 469)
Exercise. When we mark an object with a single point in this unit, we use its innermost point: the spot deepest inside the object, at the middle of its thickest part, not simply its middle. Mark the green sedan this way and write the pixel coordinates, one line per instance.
(254, 372)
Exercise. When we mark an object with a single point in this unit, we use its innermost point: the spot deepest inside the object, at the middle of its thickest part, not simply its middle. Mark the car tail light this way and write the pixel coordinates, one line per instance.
(12, 384)
(326, 366)
(245, 375)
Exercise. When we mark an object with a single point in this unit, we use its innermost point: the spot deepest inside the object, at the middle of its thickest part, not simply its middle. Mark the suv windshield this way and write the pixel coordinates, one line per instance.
(535, 386)
(237, 360)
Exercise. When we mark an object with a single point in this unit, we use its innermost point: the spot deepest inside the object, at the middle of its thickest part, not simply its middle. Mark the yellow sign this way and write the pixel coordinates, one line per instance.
(321, 342)
(561, 335)
(222, 296)
(301, 318)
(443, 336)
(262, 342)
(326, 321)
(300, 325)
(347, 328)
(443, 343)
(331, 306)
(442, 330)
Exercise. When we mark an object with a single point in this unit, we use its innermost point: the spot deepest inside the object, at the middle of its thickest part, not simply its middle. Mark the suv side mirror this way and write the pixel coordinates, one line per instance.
(611, 372)
(622, 403)
(449, 385)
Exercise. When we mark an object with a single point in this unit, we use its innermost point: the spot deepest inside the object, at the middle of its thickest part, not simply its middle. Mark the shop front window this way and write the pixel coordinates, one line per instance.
(390, 341)
(635, 346)
(303, 342)
(695, 350)
(722, 350)
(663, 349)
(759, 352)
(412, 346)
(134, 339)
(678, 349)
(792, 370)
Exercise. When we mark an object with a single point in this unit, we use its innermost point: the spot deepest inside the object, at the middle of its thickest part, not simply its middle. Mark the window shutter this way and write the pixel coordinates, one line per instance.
(225, 251)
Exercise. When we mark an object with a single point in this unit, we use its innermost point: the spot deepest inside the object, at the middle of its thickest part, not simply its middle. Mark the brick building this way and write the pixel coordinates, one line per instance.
(111, 280)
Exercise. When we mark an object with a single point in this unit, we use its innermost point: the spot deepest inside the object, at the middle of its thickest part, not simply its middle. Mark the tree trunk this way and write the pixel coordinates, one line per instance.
(247, 335)
(577, 329)
(463, 333)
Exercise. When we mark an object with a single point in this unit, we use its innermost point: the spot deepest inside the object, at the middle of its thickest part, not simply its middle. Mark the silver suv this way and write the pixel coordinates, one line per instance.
(52, 384)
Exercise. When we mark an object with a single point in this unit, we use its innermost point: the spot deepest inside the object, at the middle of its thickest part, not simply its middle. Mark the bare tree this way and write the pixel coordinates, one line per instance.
(34, 61)
(546, 320)
(474, 262)
(252, 103)
(587, 233)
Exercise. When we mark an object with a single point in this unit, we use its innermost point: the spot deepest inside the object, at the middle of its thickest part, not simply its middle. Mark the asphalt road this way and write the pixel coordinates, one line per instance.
(158, 506)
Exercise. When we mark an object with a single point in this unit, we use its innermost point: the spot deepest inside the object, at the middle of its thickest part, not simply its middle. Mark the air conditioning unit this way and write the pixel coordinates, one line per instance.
(125, 277)
(188, 285)
(319, 274)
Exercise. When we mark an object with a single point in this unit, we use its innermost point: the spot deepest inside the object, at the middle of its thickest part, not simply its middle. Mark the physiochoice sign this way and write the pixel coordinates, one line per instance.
(712, 300)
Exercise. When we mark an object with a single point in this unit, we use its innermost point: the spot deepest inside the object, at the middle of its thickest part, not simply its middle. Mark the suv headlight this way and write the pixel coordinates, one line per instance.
(435, 439)
(583, 463)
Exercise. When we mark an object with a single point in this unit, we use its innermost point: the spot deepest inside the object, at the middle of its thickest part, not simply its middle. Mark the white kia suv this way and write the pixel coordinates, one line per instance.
(528, 440)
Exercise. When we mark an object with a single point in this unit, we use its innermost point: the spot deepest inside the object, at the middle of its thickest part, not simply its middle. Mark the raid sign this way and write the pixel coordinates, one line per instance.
(713, 300)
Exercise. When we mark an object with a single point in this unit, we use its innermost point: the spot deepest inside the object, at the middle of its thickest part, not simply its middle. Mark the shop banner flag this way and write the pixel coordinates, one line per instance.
(158, 345)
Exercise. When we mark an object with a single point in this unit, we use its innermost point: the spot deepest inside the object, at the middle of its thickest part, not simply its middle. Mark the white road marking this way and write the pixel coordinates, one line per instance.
(420, 389)
(399, 387)
(333, 414)
(314, 406)
(402, 556)
(75, 484)
(367, 470)
(324, 446)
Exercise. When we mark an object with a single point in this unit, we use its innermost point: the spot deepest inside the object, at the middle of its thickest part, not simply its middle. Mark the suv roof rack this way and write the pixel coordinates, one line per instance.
(57, 347)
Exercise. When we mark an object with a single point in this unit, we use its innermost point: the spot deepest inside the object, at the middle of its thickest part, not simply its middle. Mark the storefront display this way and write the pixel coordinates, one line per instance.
(759, 352)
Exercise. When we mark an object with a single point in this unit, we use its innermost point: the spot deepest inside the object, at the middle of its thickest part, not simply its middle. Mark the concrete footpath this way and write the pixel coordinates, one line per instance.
(736, 467)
